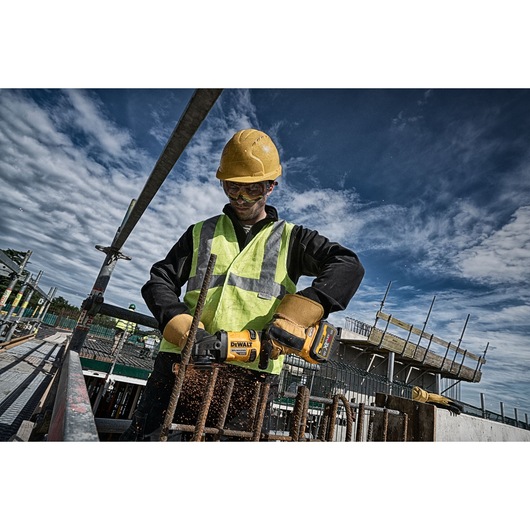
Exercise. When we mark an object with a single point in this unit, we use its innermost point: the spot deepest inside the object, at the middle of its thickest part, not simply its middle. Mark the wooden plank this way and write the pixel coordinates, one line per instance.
(429, 336)
(389, 342)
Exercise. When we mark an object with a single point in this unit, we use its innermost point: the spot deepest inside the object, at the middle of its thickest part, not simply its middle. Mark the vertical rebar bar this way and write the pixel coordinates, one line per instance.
(385, 425)
(405, 426)
(225, 403)
(332, 420)
(205, 405)
(299, 410)
(258, 423)
(360, 423)
(186, 351)
(253, 407)
(370, 434)
(349, 417)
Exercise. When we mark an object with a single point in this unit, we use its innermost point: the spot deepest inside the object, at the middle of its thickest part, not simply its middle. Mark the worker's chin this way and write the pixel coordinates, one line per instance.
(245, 215)
(244, 212)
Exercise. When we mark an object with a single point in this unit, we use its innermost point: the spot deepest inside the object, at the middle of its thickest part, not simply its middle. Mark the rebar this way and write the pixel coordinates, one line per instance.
(349, 415)
(258, 423)
(301, 404)
(385, 425)
(225, 403)
(205, 405)
(360, 423)
(186, 351)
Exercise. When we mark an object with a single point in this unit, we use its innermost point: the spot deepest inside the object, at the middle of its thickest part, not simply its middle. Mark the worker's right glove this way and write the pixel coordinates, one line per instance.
(287, 332)
(178, 329)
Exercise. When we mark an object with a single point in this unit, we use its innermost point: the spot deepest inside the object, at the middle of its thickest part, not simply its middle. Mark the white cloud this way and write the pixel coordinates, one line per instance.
(87, 114)
(504, 255)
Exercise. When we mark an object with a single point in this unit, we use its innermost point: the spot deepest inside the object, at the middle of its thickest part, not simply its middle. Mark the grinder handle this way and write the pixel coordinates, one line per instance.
(266, 348)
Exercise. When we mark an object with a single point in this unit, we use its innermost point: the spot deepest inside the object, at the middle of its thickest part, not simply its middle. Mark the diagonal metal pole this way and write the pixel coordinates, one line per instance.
(198, 108)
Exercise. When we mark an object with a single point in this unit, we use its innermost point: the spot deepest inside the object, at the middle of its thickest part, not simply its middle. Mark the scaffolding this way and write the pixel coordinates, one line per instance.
(13, 318)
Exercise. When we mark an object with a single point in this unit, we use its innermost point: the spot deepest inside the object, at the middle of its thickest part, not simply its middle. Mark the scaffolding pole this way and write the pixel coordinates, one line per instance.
(198, 108)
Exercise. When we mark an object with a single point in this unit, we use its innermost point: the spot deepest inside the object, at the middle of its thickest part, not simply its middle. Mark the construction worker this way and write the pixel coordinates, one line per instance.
(260, 259)
(122, 330)
(151, 343)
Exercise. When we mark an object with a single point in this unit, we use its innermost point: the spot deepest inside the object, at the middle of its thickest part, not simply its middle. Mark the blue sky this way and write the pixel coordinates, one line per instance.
(430, 187)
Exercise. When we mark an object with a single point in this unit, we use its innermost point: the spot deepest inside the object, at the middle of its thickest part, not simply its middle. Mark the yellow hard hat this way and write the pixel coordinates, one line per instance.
(249, 156)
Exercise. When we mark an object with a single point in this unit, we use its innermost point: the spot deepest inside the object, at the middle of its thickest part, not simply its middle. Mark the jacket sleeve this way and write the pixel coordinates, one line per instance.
(167, 277)
(337, 270)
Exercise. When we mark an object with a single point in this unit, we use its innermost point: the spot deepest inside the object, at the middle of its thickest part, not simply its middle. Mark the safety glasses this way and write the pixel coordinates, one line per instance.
(247, 192)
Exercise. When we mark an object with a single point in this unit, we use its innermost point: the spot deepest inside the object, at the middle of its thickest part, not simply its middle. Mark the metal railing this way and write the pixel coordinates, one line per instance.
(481, 412)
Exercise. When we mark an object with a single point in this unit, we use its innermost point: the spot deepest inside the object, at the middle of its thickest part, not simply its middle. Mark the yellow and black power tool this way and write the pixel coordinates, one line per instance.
(245, 346)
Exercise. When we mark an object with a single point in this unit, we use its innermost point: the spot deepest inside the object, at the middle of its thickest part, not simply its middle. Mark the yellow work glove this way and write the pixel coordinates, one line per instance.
(287, 331)
(178, 328)
(418, 394)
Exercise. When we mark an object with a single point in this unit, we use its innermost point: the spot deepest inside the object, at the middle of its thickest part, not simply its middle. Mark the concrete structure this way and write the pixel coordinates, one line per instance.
(463, 428)
(428, 423)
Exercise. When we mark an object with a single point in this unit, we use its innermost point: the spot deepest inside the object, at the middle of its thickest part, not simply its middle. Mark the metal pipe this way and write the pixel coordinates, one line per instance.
(126, 314)
(422, 331)
(390, 371)
(196, 111)
(459, 342)
(384, 297)
(200, 104)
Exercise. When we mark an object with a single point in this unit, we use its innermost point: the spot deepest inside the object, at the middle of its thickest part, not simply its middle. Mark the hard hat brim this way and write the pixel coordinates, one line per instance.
(250, 179)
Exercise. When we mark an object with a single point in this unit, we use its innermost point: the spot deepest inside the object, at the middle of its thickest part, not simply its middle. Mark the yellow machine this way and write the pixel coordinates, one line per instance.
(245, 346)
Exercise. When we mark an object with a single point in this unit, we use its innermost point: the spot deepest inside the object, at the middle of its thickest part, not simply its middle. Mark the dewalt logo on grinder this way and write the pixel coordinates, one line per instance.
(240, 344)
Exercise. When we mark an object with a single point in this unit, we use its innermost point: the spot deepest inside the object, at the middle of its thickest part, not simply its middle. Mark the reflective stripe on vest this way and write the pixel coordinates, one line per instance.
(245, 288)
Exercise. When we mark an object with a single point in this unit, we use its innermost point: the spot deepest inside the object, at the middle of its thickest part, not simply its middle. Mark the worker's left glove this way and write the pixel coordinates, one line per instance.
(418, 394)
(287, 332)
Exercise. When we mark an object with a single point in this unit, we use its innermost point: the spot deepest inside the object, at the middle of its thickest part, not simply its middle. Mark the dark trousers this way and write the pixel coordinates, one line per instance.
(155, 398)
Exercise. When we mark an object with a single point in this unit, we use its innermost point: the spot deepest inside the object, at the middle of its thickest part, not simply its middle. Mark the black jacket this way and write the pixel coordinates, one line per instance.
(337, 270)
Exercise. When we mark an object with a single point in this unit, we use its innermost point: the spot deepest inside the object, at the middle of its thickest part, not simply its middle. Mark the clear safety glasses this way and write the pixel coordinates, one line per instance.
(247, 192)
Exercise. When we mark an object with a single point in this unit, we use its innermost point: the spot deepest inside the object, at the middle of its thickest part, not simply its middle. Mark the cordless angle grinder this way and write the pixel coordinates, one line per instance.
(245, 346)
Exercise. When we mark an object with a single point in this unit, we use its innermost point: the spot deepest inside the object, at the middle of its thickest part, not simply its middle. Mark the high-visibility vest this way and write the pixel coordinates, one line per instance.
(246, 286)
(125, 325)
